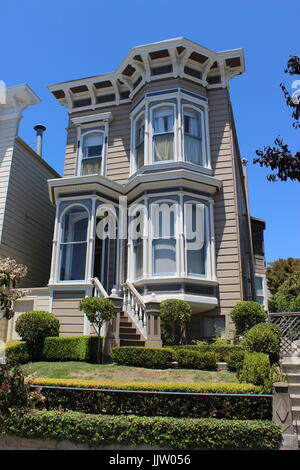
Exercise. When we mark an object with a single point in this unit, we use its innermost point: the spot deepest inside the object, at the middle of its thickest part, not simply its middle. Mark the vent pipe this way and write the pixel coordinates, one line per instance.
(39, 138)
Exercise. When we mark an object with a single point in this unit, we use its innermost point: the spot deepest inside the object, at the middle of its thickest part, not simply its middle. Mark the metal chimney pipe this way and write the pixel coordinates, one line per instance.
(39, 138)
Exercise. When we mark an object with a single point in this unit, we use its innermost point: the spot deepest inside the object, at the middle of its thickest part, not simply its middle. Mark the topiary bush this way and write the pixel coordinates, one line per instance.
(33, 327)
(175, 314)
(247, 314)
(256, 370)
(143, 357)
(71, 348)
(263, 338)
(189, 359)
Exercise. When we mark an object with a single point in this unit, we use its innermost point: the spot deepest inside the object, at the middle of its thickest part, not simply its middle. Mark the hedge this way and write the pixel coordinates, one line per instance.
(70, 348)
(256, 370)
(217, 404)
(223, 351)
(176, 433)
(143, 357)
(190, 359)
(16, 352)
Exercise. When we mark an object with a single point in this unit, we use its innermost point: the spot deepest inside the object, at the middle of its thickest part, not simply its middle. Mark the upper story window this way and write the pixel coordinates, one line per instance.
(163, 133)
(192, 136)
(92, 153)
(139, 141)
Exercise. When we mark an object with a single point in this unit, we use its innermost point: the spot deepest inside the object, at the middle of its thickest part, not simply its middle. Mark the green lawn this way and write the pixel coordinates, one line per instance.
(85, 371)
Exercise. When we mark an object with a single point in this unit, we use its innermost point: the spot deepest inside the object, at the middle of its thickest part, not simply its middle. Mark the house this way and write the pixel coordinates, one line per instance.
(153, 203)
(26, 213)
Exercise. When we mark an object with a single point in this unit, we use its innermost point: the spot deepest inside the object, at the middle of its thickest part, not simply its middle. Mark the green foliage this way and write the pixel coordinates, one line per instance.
(279, 271)
(98, 311)
(71, 348)
(247, 314)
(33, 327)
(14, 391)
(190, 359)
(175, 314)
(176, 433)
(263, 338)
(16, 352)
(143, 357)
(256, 370)
(223, 351)
(235, 360)
(160, 403)
(288, 295)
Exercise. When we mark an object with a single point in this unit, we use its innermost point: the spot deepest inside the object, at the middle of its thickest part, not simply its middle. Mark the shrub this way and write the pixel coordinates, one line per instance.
(189, 359)
(16, 352)
(34, 327)
(223, 351)
(177, 433)
(288, 294)
(247, 314)
(215, 401)
(175, 314)
(256, 370)
(143, 357)
(264, 338)
(71, 348)
(13, 389)
(235, 360)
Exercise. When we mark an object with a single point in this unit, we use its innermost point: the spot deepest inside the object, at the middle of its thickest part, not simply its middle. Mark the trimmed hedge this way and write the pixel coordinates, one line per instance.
(177, 433)
(256, 370)
(70, 348)
(16, 352)
(264, 338)
(207, 404)
(143, 357)
(190, 359)
(223, 351)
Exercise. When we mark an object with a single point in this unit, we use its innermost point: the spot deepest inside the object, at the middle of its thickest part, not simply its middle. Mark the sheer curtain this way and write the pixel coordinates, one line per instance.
(163, 133)
(92, 153)
(192, 136)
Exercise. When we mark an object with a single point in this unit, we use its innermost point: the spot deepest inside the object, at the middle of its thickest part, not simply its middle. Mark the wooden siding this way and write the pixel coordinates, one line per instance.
(259, 263)
(29, 216)
(65, 306)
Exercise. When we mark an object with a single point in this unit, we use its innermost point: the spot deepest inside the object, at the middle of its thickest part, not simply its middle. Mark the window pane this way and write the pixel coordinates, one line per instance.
(72, 266)
(193, 149)
(138, 257)
(94, 151)
(163, 120)
(196, 261)
(91, 166)
(259, 286)
(164, 256)
(140, 155)
(213, 326)
(74, 225)
(163, 147)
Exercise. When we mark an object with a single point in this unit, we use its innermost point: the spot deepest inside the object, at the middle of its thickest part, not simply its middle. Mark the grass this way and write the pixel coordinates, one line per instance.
(86, 371)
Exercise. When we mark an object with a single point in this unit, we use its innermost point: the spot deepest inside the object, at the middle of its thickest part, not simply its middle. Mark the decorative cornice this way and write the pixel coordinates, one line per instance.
(17, 98)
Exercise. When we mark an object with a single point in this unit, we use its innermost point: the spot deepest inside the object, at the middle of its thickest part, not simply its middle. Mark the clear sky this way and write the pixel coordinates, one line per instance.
(48, 42)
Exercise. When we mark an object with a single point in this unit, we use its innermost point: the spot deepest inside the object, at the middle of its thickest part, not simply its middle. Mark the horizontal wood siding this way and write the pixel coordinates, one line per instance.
(225, 209)
(29, 216)
(65, 306)
(259, 262)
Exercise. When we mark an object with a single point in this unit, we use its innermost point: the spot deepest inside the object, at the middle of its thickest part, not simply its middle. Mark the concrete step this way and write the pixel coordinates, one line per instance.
(125, 329)
(126, 324)
(291, 367)
(294, 378)
(131, 336)
(294, 388)
(129, 342)
(296, 415)
(295, 399)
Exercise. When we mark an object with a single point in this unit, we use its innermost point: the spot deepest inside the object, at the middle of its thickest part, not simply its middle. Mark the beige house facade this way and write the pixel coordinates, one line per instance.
(153, 204)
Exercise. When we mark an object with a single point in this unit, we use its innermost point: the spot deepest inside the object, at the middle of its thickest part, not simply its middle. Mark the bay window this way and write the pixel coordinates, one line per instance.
(192, 136)
(73, 244)
(163, 133)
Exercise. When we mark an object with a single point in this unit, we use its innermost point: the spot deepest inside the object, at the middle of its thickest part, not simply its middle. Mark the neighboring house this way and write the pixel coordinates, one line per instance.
(158, 132)
(26, 213)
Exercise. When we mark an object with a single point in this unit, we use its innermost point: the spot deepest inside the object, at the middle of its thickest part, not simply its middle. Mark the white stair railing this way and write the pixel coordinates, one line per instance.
(135, 307)
(98, 290)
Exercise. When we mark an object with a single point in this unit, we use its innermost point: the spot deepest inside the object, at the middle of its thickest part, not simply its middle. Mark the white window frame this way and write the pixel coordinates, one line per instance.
(134, 137)
(264, 287)
(162, 104)
(207, 270)
(203, 133)
(60, 235)
(83, 133)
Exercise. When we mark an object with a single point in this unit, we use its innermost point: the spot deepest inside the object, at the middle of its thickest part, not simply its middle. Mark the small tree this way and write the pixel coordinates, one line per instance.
(175, 315)
(98, 311)
(287, 298)
(10, 274)
(279, 271)
(247, 314)
(263, 338)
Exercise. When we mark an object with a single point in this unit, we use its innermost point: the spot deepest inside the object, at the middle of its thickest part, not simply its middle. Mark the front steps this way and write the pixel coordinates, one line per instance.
(128, 333)
(291, 367)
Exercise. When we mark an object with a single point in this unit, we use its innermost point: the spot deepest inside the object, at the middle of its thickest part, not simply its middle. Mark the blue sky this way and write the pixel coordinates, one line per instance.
(50, 42)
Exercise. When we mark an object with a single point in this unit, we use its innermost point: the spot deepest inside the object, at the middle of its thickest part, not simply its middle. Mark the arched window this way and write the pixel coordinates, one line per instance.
(73, 244)
(163, 133)
(192, 136)
(92, 153)
(139, 142)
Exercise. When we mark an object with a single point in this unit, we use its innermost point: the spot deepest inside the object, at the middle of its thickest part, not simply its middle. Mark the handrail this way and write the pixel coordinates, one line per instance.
(99, 288)
(135, 307)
